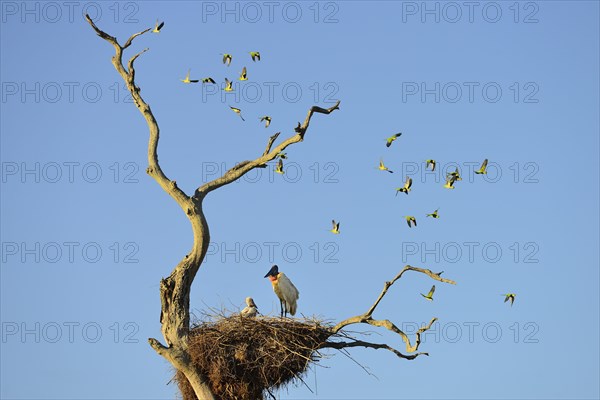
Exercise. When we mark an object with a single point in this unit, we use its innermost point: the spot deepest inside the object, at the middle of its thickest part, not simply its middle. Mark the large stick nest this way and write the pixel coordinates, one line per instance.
(244, 358)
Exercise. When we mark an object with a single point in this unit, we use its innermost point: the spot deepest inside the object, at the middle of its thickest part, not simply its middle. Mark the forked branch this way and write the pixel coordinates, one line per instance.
(128, 75)
(175, 289)
(269, 154)
(367, 318)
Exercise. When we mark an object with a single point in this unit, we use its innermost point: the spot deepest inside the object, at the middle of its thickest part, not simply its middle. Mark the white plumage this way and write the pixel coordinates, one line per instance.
(285, 290)
(287, 293)
(251, 310)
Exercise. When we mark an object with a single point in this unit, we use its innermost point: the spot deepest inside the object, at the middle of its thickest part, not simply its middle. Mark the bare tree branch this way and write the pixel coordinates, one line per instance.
(364, 317)
(361, 343)
(406, 268)
(158, 347)
(102, 34)
(132, 60)
(367, 318)
(270, 143)
(130, 40)
(154, 168)
(239, 171)
(175, 289)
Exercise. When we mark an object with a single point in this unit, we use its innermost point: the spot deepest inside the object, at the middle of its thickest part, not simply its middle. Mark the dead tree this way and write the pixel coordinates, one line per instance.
(175, 289)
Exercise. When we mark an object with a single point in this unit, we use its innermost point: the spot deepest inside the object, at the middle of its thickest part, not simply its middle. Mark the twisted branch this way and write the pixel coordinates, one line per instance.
(367, 318)
(387, 285)
(128, 75)
(362, 343)
(239, 170)
(175, 289)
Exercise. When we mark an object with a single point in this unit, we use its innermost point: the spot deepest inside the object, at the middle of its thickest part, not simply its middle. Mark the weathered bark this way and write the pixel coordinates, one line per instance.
(367, 318)
(175, 289)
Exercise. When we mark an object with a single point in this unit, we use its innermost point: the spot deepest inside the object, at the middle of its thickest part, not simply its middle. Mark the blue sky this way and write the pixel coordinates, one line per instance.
(87, 235)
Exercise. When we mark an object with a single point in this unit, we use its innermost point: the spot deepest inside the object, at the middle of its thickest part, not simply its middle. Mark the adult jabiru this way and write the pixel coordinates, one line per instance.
(285, 291)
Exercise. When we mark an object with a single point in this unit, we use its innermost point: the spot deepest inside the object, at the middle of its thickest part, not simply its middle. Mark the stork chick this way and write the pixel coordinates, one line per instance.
(251, 310)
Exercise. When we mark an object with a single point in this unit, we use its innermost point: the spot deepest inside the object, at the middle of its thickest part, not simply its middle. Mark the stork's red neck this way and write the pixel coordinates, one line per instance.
(273, 278)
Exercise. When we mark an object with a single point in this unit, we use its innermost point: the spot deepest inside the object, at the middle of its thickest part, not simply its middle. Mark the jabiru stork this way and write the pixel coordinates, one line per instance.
(285, 291)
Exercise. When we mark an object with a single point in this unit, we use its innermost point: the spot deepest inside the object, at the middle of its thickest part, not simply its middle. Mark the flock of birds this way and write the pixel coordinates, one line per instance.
(228, 87)
(283, 287)
(285, 290)
(451, 178)
(227, 58)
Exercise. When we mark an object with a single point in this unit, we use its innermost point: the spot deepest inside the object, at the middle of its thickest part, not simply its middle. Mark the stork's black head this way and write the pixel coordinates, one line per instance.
(273, 271)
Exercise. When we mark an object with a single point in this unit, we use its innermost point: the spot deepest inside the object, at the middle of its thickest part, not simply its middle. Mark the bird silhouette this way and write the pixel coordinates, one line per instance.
(227, 59)
(237, 111)
(406, 187)
(450, 182)
(483, 168)
(511, 297)
(430, 162)
(434, 214)
(158, 27)
(255, 55)
(429, 295)
(382, 167)
(279, 167)
(455, 175)
(390, 140)
(267, 120)
(244, 75)
(188, 80)
(335, 227)
(228, 85)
